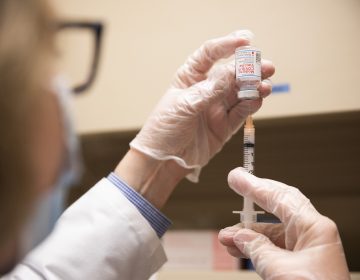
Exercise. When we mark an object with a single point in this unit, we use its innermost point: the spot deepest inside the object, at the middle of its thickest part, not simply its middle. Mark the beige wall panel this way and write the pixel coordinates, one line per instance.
(314, 44)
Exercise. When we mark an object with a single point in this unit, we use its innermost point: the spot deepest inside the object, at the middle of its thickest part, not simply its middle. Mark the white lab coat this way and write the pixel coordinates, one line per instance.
(102, 236)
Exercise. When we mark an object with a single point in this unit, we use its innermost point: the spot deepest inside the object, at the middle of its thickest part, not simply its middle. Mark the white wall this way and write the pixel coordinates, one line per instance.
(314, 44)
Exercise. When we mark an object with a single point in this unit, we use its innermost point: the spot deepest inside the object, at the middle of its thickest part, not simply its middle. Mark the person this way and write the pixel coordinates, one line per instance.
(113, 231)
(306, 245)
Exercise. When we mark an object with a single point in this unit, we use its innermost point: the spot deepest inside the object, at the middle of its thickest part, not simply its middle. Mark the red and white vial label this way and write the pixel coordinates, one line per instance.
(248, 67)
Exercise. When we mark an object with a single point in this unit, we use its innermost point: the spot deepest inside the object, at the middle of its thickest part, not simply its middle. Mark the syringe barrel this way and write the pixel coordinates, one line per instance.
(248, 214)
(249, 149)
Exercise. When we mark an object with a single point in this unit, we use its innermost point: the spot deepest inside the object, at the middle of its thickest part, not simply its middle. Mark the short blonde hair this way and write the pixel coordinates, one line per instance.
(26, 35)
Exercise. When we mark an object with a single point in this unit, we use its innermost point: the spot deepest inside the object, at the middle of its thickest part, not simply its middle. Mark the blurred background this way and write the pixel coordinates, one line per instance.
(308, 131)
(314, 45)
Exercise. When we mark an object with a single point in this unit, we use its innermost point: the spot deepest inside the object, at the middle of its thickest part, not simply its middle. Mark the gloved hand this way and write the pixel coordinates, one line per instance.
(306, 245)
(200, 111)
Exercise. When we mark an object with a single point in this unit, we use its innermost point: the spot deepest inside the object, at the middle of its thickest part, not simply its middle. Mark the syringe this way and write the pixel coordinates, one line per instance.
(249, 145)
(248, 215)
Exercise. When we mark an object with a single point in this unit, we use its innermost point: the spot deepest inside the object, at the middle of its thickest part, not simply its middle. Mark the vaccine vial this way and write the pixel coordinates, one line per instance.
(248, 72)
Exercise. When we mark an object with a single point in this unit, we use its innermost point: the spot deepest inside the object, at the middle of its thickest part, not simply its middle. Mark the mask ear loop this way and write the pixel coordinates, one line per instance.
(52, 205)
(72, 167)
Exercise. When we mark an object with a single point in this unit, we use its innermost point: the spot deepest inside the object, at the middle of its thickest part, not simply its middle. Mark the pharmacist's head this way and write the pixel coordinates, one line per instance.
(31, 145)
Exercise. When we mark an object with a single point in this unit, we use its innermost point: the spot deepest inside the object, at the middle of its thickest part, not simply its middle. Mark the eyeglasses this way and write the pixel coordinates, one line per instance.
(74, 40)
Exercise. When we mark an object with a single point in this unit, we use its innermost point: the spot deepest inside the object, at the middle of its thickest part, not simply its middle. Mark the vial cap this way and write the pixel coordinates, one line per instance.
(248, 94)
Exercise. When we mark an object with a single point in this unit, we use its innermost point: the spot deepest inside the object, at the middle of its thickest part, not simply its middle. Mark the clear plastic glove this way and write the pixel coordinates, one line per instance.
(306, 245)
(200, 111)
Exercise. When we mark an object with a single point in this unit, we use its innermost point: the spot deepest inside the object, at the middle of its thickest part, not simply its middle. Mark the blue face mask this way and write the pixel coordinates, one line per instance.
(51, 206)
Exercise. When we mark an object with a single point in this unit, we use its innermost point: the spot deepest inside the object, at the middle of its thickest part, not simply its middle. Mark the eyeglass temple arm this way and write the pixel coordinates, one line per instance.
(98, 28)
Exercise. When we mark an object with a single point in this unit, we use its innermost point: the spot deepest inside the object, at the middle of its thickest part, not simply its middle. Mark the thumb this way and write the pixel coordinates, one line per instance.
(259, 249)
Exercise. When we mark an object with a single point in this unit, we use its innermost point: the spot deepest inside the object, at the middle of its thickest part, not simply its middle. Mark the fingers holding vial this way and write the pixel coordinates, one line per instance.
(202, 60)
(263, 87)
(267, 70)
